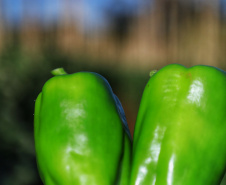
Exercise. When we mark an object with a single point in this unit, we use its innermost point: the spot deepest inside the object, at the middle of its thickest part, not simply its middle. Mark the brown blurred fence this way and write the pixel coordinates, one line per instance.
(168, 31)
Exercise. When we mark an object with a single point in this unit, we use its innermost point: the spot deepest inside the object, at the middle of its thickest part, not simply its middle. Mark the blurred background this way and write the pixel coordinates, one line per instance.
(123, 40)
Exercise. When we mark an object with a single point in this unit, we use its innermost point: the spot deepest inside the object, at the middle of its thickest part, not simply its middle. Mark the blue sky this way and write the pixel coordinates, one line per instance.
(48, 11)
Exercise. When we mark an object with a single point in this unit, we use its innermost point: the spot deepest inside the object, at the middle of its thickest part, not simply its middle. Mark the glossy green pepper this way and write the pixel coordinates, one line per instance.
(180, 131)
(81, 134)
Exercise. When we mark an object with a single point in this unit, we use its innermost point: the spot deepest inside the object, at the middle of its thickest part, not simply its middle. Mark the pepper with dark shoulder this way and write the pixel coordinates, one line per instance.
(81, 134)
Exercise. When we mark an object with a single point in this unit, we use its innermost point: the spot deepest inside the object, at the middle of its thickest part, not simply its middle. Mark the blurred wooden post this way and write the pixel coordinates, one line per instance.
(208, 51)
(30, 31)
(69, 37)
(222, 46)
(166, 12)
(160, 24)
(1, 26)
(172, 42)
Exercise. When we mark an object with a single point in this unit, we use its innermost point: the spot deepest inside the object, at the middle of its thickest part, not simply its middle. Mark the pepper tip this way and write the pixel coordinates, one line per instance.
(152, 72)
(58, 71)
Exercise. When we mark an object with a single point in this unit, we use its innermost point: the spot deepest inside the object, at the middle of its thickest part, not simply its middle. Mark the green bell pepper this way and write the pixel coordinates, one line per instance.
(180, 131)
(81, 134)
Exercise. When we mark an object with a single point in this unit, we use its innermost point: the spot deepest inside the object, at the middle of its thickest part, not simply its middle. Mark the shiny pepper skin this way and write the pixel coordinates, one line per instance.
(180, 131)
(81, 134)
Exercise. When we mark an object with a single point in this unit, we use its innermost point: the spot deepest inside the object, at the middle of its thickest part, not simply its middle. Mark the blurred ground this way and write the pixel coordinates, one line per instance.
(122, 40)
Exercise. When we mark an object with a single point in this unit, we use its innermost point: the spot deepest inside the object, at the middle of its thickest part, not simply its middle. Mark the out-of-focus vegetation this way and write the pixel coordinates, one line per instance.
(130, 43)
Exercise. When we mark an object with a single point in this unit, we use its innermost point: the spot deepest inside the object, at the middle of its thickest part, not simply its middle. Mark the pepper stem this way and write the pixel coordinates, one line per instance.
(152, 73)
(58, 71)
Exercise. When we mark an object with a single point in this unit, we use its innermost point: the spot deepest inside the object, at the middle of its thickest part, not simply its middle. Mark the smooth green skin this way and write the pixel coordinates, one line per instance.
(79, 135)
(180, 132)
